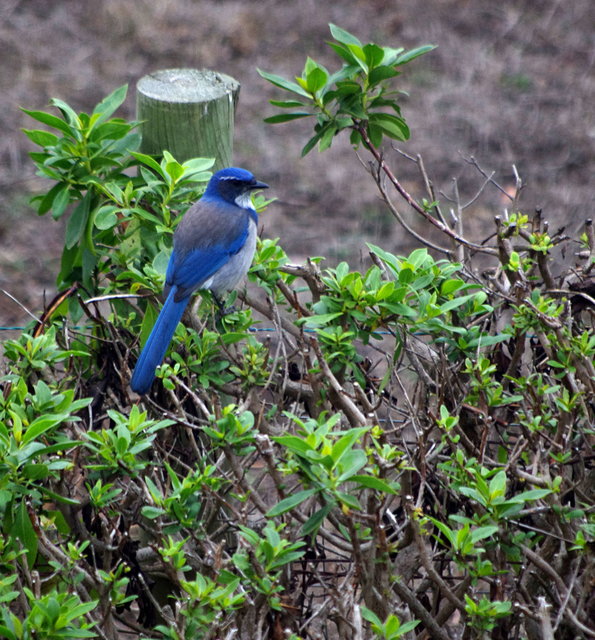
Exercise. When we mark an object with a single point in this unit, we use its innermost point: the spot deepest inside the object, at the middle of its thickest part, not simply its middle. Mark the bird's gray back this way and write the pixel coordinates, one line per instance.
(205, 226)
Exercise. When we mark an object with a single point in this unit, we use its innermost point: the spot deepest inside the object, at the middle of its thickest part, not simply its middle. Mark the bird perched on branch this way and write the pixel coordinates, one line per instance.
(213, 249)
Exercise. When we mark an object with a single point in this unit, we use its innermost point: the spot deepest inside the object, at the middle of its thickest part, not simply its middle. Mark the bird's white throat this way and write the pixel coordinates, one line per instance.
(244, 201)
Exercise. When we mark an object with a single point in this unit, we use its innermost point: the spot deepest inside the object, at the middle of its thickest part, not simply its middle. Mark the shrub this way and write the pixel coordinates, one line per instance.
(399, 452)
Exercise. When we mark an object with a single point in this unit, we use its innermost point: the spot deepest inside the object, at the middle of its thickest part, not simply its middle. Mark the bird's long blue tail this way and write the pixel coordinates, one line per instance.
(154, 350)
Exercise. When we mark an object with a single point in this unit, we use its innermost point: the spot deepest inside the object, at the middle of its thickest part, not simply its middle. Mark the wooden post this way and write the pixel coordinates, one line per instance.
(188, 112)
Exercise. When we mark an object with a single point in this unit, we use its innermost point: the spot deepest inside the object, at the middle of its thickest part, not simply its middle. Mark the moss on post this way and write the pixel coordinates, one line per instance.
(188, 112)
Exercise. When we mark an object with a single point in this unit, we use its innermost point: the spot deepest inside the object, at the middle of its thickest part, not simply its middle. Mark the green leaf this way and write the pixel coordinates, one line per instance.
(38, 471)
(393, 126)
(316, 79)
(371, 482)
(373, 54)
(408, 626)
(286, 117)
(454, 303)
(414, 53)
(375, 134)
(345, 53)
(48, 200)
(106, 217)
(400, 309)
(391, 54)
(68, 113)
(290, 502)
(7, 633)
(147, 325)
(294, 444)
(77, 222)
(282, 83)
(345, 443)
(446, 531)
(451, 285)
(350, 501)
(322, 319)
(327, 137)
(351, 463)
(371, 617)
(483, 532)
(199, 165)
(314, 522)
(88, 263)
(149, 161)
(61, 201)
(497, 485)
(419, 257)
(340, 35)
(112, 130)
(152, 512)
(311, 144)
(287, 104)
(52, 121)
(359, 56)
(355, 138)
(40, 425)
(109, 104)
(381, 73)
(174, 170)
(531, 494)
(160, 262)
(79, 611)
(40, 137)
(24, 532)
(470, 492)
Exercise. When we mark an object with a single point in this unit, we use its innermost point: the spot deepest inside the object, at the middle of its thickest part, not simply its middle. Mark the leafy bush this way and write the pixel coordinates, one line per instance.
(400, 452)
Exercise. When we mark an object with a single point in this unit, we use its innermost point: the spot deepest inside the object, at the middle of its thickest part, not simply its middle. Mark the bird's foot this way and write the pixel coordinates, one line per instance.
(222, 309)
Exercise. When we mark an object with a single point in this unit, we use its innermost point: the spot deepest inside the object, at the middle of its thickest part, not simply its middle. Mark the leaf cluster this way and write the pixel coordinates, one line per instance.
(119, 202)
(356, 97)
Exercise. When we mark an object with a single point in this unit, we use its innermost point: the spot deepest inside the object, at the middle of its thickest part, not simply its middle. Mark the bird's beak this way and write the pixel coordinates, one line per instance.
(258, 185)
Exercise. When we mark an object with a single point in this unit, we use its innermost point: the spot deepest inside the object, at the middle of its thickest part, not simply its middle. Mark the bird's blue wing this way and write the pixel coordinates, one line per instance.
(205, 240)
(196, 267)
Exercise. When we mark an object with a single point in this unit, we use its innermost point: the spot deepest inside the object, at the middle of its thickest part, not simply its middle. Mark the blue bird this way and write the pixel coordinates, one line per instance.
(213, 248)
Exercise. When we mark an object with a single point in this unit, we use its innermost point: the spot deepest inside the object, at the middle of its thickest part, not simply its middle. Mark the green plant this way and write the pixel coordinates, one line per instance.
(121, 445)
(261, 560)
(391, 628)
(52, 616)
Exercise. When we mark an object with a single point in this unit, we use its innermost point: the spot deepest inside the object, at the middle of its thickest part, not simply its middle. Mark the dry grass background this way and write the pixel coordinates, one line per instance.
(511, 82)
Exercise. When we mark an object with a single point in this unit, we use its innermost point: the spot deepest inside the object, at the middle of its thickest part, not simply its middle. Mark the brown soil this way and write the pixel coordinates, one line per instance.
(512, 82)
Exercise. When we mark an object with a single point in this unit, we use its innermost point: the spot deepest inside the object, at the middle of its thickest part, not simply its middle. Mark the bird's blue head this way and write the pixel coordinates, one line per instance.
(234, 186)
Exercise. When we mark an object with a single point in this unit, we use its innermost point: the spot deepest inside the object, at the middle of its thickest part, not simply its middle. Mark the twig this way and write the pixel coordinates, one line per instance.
(429, 567)
(393, 209)
(266, 311)
(435, 630)
(472, 161)
(545, 622)
(546, 568)
(412, 203)
(23, 307)
(354, 415)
